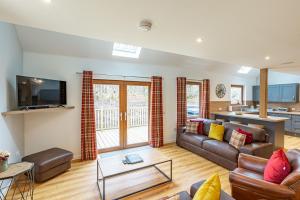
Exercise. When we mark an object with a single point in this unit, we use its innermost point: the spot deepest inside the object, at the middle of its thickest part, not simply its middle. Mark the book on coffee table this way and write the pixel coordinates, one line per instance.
(132, 159)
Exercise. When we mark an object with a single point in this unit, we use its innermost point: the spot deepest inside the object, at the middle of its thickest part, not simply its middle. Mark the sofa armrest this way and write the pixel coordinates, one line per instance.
(252, 163)
(179, 131)
(260, 187)
(260, 149)
(267, 138)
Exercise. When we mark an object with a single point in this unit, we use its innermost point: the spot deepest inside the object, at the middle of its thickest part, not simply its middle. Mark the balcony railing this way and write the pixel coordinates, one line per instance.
(108, 117)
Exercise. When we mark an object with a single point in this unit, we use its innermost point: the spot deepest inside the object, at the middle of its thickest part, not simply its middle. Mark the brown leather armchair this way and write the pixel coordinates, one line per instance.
(247, 180)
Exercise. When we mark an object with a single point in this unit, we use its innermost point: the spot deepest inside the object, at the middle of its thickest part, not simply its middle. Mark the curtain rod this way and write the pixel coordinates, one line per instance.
(117, 75)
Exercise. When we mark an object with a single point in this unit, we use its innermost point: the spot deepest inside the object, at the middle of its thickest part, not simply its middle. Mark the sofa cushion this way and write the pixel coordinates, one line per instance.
(221, 148)
(192, 138)
(237, 139)
(210, 189)
(195, 187)
(259, 135)
(207, 123)
(192, 127)
(216, 131)
(277, 168)
(249, 136)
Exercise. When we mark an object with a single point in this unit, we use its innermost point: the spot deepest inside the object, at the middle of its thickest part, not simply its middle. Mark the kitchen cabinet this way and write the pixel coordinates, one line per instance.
(256, 93)
(274, 93)
(296, 124)
(281, 93)
(289, 93)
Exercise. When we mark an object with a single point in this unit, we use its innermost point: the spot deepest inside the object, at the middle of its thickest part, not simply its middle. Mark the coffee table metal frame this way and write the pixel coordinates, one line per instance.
(102, 193)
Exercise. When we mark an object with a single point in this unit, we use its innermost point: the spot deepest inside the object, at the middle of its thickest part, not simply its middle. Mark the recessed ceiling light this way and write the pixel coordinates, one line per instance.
(199, 40)
(244, 70)
(125, 50)
(47, 1)
(267, 58)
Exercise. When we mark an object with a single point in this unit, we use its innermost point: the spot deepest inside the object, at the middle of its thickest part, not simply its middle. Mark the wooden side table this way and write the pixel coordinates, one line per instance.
(13, 186)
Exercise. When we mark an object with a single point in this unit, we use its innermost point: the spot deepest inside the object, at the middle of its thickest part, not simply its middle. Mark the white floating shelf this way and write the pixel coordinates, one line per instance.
(17, 112)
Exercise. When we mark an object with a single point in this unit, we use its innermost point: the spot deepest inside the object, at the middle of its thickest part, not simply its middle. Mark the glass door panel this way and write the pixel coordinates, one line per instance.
(137, 114)
(107, 115)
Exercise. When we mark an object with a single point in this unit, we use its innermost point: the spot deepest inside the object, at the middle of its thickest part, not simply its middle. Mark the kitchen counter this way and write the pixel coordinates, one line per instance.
(273, 125)
(284, 112)
(248, 115)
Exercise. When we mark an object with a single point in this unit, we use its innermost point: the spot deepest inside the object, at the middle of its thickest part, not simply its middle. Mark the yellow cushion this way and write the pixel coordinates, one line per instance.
(210, 189)
(216, 131)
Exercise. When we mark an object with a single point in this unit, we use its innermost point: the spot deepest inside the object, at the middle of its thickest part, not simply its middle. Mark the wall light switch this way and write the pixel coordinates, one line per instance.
(219, 109)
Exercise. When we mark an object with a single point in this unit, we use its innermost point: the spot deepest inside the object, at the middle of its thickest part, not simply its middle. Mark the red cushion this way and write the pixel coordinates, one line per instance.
(200, 128)
(277, 168)
(249, 136)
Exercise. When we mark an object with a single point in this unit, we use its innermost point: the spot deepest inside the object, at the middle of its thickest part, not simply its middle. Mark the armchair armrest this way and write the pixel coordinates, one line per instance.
(252, 163)
(261, 188)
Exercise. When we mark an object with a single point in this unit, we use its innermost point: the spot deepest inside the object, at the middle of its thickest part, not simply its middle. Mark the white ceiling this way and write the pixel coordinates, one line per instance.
(49, 42)
(240, 32)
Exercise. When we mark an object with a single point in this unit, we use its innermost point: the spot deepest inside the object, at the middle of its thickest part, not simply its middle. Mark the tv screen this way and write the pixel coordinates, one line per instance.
(34, 92)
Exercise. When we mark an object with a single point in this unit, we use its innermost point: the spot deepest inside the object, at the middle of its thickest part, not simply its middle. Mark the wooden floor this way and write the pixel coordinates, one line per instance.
(188, 168)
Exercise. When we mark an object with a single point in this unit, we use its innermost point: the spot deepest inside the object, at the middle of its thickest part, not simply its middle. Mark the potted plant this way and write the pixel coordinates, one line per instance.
(4, 155)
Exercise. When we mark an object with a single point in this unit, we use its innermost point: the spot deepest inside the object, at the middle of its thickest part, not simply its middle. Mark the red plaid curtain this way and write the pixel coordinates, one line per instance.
(205, 99)
(181, 101)
(156, 113)
(88, 131)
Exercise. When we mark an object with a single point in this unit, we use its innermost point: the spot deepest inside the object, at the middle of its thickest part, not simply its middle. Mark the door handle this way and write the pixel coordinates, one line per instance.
(121, 116)
(125, 116)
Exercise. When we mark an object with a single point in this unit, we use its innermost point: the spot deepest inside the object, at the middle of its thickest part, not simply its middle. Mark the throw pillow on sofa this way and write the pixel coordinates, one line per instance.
(277, 168)
(192, 127)
(237, 139)
(249, 136)
(210, 189)
(216, 131)
(200, 125)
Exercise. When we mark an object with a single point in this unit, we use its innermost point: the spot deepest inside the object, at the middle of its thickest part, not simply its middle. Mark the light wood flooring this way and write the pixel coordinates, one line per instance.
(80, 182)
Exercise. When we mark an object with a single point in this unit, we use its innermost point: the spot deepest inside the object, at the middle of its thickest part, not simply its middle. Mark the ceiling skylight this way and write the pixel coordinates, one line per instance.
(244, 70)
(125, 50)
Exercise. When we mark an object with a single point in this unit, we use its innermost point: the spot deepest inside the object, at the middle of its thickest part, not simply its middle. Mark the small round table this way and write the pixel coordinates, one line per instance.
(24, 185)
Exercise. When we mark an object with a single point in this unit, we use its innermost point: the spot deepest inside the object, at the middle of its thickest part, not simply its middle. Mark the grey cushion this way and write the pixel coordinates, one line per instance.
(222, 149)
(193, 138)
(259, 135)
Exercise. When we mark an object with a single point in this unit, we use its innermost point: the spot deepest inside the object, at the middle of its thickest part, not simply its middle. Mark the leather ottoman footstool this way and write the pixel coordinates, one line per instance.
(50, 163)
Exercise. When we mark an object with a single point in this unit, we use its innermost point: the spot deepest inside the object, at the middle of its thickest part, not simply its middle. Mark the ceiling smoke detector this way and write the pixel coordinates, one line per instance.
(145, 25)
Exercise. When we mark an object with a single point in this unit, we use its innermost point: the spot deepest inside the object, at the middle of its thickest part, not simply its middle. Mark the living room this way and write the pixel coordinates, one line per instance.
(142, 102)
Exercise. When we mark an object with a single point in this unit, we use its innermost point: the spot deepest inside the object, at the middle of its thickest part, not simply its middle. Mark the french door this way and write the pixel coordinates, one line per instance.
(121, 114)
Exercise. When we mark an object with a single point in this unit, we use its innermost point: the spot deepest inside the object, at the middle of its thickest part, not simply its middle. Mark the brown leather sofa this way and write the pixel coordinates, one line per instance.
(247, 180)
(223, 153)
(186, 196)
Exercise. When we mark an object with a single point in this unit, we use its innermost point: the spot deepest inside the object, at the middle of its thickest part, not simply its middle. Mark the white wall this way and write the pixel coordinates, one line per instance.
(11, 127)
(62, 129)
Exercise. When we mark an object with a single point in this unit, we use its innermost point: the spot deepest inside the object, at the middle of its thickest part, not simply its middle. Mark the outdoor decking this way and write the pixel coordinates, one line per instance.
(110, 138)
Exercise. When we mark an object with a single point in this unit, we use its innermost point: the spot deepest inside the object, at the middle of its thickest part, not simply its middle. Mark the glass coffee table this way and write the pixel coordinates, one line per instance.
(117, 180)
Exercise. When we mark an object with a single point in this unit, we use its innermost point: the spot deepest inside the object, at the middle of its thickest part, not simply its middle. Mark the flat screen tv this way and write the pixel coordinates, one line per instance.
(39, 92)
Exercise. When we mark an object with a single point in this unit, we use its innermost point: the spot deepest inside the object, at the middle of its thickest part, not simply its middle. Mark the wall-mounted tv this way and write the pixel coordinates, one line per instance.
(39, 92)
